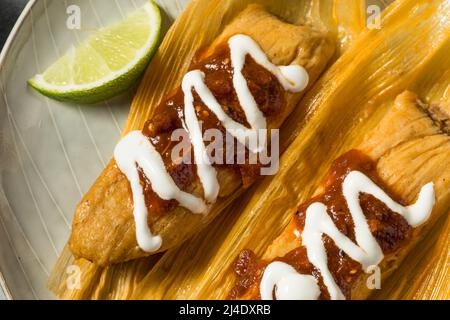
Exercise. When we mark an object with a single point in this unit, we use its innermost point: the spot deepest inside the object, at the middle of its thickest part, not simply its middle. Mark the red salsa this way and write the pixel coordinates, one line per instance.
(169, 116)
(389, 228)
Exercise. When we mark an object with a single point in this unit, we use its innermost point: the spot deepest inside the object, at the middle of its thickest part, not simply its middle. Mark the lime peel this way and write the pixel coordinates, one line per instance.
(116, 81)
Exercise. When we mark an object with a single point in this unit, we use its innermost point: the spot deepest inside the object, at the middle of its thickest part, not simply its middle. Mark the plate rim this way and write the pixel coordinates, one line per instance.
(17, 26)
(3, 54)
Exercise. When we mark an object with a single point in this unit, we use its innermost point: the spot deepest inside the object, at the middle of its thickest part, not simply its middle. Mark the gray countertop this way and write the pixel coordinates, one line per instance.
(9, 12)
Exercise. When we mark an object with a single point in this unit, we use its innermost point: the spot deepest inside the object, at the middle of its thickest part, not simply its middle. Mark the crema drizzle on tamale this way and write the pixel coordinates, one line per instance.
(247, 85)
(343, 232)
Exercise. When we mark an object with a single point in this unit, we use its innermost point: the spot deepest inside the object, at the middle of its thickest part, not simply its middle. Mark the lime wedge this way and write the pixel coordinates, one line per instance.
(108, 63)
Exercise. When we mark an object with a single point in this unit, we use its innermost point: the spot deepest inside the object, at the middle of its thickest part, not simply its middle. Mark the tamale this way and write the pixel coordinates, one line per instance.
(424, 273)
(350, 99)
(379, 65)
(409, 150)
(343, 20)
(104, 230)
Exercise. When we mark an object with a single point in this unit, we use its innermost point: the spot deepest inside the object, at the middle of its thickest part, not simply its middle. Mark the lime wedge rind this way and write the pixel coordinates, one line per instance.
(115, 83)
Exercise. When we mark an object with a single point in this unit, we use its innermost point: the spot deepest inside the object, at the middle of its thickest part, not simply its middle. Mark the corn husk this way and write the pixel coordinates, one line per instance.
(357, 88)
(409, 52)
(190, 32)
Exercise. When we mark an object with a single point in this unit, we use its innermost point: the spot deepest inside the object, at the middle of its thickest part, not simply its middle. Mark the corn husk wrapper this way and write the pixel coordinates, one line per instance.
(201, 267)
(410, 51)
(190, 32)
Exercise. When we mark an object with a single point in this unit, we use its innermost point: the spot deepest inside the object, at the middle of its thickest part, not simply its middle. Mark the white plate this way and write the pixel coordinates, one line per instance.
(50, 152)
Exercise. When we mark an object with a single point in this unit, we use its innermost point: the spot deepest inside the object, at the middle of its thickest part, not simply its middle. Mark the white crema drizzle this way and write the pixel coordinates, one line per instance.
(136, 150)
(366, 250)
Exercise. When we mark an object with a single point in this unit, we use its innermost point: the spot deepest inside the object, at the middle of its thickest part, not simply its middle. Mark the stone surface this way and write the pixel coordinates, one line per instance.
(9, 12)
